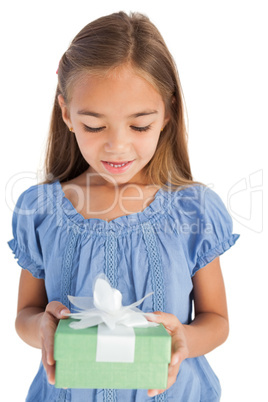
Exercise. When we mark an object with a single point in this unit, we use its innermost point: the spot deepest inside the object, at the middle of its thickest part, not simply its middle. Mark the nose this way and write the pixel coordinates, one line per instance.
(117, 142)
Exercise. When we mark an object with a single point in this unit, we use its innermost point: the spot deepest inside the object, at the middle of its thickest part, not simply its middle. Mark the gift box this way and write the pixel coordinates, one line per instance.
(78, 364)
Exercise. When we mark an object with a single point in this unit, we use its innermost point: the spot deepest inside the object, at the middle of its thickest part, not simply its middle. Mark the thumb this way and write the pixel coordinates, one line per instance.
(170, 321)
(58, 310)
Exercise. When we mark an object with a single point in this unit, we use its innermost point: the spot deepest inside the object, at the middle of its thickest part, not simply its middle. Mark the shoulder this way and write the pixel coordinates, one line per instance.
(33, 214)
(199, 207)
(203, 223)
(196, 199)
(28, 216)
(37, 199)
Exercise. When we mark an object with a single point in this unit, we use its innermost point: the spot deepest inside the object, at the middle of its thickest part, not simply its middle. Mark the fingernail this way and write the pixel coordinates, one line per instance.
(154, 393)
(64, 312)
(175, 361)
(151, 316)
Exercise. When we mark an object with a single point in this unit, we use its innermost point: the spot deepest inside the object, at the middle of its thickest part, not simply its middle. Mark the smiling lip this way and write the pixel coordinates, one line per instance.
(114, 169)
(117, 163)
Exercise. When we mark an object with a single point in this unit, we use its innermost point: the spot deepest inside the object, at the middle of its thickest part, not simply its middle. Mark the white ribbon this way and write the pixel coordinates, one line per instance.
(116, 345)
(116, 336)
(106, 307)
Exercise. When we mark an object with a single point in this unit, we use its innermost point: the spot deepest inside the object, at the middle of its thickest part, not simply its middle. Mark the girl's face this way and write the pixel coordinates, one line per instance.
(117, 119)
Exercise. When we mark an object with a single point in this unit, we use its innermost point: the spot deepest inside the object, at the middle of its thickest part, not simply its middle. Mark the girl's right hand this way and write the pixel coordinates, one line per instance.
(53, 313)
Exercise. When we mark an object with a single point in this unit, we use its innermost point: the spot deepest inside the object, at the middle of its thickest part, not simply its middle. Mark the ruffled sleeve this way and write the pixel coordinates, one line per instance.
(211, 234)
(25, 243)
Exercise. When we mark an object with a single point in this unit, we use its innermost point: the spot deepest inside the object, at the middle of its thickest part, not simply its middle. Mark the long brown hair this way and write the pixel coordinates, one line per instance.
(101, 46)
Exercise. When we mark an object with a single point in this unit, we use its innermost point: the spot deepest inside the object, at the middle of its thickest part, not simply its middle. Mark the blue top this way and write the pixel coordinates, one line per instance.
(157, 250)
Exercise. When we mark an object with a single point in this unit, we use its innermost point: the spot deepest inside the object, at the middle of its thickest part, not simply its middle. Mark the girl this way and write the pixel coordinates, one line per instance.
(119, 198)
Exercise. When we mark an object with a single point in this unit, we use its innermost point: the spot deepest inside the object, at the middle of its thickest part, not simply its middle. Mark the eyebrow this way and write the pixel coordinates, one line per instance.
(98, 115)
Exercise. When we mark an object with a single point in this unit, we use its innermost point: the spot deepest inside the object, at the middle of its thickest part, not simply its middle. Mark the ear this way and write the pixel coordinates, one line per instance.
(64, 111)
(167, 118)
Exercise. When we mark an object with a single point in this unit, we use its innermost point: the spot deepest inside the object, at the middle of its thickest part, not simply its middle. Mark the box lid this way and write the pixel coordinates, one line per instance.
(152, 344)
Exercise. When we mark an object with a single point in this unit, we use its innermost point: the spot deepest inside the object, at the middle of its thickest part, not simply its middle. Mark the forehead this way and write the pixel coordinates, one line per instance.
(121, 88)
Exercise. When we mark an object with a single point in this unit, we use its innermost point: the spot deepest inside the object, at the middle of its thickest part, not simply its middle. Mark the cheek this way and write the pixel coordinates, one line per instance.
(86, 145)
(147, 146)
(86, 141)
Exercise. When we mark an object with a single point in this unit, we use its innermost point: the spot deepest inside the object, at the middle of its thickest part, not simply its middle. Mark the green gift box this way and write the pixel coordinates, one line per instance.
(76, 365)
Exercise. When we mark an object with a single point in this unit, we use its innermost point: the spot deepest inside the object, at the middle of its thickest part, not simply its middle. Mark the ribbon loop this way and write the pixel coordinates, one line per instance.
(106, 307)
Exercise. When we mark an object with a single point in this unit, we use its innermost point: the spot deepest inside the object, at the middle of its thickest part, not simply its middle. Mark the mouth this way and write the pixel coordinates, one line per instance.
(116, 166)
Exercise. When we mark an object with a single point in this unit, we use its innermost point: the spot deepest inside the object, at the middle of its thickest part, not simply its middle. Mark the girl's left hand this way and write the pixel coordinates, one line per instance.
(179, 348)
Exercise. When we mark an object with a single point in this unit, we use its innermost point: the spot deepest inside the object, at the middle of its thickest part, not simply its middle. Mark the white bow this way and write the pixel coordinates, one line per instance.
(106, 307)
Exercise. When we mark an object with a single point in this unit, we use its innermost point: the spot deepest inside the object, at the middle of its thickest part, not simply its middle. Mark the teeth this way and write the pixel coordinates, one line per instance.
(111, 164)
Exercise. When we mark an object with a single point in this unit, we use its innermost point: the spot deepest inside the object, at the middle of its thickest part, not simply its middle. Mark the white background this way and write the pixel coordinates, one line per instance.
(221, 52)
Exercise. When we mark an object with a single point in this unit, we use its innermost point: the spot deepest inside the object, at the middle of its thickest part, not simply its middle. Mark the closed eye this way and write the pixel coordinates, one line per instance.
(146, 128)
(98, 129)
(93, 129)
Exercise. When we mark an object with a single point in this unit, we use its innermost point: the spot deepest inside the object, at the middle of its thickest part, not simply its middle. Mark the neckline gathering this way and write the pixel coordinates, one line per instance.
(155, 209)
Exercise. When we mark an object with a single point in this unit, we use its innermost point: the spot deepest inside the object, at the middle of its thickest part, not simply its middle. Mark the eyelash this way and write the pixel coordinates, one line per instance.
(98, 129)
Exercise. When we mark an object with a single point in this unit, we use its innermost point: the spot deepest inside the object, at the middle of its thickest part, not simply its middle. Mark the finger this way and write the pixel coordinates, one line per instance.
(57, 309)
(179, 350)
(48, 343)
(176, 357)
(48, 329)
(173, 370)
(154, 392)
(44, 358)
(49, 347)
(50, 369)
(51, 374)
(172, 376)
(48, 333)
(54, 311)
(170, 321)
